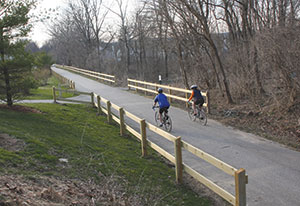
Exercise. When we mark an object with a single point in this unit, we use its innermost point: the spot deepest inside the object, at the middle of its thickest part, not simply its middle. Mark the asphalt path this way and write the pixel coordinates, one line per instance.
(273, 169)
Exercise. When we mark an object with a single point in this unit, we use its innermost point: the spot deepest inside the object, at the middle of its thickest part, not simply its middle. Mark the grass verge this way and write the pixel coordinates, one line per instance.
(45, 92)
(93, 150)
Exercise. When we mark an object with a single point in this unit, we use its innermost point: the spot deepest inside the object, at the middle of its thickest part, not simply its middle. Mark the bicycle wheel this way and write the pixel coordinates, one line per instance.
(168, 123)
(191, 114)
(202, 117)
(156, 118)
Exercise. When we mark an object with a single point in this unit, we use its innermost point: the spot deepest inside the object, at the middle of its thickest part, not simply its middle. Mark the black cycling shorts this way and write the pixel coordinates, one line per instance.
(199, 101)
(163, 109)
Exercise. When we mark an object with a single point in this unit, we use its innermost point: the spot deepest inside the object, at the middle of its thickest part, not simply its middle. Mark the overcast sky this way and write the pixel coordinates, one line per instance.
(39, 31)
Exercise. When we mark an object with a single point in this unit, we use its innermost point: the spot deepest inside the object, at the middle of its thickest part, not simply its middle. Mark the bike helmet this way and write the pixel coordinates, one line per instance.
(160, 90)
(194, 86)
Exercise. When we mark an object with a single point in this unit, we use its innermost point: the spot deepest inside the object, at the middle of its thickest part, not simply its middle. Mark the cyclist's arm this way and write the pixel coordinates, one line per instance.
(155, 101)
(192, 95)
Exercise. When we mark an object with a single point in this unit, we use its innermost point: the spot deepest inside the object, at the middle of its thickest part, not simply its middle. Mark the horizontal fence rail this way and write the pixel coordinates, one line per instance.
(68, 82)
(241, 179)
(170, 91)
(96, 75)
(55, 97)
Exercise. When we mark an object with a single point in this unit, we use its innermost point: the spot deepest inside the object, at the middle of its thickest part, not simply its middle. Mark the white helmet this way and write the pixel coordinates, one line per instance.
(194, 86)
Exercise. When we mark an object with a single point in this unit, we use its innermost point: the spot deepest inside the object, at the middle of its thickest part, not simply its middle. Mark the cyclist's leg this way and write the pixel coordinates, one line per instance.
(161, 110)
(166, 110)
(196, 103)
(194, 107)
(201, 102)
(200, 105)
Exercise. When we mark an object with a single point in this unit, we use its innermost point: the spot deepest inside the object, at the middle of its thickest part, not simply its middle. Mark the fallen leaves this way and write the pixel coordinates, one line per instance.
(22, 191)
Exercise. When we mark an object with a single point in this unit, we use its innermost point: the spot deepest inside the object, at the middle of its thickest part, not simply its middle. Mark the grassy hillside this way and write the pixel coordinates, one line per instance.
(57, 147)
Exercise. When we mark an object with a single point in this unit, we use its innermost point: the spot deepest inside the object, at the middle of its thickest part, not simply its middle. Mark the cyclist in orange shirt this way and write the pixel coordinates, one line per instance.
(197, 98)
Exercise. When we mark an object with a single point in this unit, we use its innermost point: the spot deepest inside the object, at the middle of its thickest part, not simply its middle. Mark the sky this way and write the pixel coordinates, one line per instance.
(39, 32)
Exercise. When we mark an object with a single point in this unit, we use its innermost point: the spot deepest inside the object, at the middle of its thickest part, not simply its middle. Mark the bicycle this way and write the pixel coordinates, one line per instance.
(201, 114)
(166, 119)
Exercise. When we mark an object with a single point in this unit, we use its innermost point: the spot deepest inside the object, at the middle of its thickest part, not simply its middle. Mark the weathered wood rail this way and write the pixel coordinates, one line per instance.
(68, 82)
(97, 75)
(241, 179)
(171, 92)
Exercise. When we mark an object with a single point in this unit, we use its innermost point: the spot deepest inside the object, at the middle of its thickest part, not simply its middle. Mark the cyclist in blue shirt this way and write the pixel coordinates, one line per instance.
(163, 104)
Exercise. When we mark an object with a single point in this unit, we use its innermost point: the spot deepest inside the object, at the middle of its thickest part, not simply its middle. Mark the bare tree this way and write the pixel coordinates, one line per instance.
(125, 34)
(89, 19)
(235, 45)
(196, 15)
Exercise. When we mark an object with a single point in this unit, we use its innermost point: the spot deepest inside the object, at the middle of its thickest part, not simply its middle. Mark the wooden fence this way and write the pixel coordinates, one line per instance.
(55, 97)
(240, 177)
(68, 82)
(181, 94)
(96, 75)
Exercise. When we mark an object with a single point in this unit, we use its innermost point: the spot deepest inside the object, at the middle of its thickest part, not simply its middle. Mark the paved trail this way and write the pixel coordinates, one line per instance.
(273, 170)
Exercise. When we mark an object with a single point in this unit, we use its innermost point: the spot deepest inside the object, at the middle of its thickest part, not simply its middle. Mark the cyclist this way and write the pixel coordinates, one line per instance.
(163, 104)
(197, 98)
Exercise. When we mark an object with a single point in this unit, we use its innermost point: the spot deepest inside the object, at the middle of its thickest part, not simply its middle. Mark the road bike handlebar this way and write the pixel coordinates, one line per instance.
(153, 107)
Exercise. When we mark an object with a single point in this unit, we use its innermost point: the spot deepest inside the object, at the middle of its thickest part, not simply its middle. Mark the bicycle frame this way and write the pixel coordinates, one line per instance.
(165, 119)
(201, 114)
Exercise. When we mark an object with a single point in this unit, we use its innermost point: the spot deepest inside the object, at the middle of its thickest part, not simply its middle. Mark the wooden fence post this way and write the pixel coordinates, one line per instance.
(207, 102)
(54, 94)
(186, 96)
(144, 137)
(92, 99)
(108, 106)
(170, 99)
(99, 104)
(122, 123)
(136, 90)
(178, 159)
(240, 187)
(72, 84)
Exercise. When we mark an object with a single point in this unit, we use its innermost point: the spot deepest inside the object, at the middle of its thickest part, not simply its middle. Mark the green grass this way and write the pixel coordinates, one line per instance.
(45, 92)
(91, 146)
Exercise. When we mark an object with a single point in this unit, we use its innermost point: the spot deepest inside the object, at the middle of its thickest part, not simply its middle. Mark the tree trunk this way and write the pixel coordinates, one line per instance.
(214, 69)
(8, 87)
(166, 64)
(6, 74)
(227, 90)
(257, 75)
(181, 63)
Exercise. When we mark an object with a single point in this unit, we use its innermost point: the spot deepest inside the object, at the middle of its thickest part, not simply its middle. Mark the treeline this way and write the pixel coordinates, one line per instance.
(246, 49)
(19, 67)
